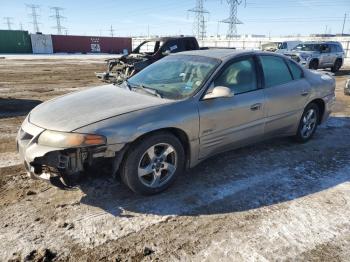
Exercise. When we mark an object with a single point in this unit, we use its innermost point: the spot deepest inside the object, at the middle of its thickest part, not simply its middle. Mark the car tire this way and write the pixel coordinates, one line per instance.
(153, 163)
(313, 64)
(308, 123)
(337, 65)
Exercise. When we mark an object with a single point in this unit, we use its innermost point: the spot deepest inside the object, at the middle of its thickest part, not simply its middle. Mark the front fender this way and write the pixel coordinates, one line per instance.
(128, 127)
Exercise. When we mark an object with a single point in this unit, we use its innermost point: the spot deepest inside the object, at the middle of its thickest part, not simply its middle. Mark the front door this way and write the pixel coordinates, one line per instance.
(235, 121)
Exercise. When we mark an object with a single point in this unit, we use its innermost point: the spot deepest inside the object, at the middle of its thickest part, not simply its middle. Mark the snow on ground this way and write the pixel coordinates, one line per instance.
(304, 224)
(9, 159)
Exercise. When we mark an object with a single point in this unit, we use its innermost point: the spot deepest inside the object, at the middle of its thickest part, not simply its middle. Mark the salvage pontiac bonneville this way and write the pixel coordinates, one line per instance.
(173, 115)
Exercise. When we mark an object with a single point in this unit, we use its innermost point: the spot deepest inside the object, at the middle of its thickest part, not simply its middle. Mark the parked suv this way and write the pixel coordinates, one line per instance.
(316, 55)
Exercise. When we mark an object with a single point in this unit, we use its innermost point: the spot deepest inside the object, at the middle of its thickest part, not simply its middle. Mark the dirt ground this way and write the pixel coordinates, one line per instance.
(275, 201)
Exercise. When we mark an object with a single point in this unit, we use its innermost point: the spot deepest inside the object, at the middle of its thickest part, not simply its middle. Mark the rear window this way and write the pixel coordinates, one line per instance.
(275, 70)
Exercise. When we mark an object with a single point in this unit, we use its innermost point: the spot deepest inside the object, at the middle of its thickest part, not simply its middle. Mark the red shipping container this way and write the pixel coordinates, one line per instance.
(90, 44)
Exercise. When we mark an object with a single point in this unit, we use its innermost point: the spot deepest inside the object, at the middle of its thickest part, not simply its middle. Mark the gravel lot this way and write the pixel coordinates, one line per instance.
(275, 201)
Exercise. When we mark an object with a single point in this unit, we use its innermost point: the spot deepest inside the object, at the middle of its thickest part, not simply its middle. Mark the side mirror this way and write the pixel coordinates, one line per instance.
(219, 91)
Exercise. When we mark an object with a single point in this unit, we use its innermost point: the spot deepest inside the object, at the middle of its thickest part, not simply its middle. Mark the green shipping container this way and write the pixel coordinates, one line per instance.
(15, 41)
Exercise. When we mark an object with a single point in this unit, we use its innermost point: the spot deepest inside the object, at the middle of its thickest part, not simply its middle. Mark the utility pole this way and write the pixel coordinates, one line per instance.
(199, 25)
(232, 21)
(21, 26)
(112, 31)
(57, 15)
(342, 31)
(8, 22)
(34, 15)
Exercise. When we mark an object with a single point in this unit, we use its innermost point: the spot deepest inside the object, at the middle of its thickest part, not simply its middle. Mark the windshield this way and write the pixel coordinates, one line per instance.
(307, 47)
(176, 77)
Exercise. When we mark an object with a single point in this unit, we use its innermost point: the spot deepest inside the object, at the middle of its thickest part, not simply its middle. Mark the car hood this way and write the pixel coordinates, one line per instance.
(75, 110)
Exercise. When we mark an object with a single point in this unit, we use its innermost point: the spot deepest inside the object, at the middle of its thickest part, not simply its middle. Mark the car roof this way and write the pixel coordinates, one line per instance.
(221, 54)
(169, 38)
(322, 42)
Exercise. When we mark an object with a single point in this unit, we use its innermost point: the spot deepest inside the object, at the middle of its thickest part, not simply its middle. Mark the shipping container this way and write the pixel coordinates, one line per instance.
(15, 41)
(90, 44)
(41, 44)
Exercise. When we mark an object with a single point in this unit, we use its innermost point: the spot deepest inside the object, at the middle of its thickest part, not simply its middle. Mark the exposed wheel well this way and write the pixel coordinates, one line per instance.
(321, 106)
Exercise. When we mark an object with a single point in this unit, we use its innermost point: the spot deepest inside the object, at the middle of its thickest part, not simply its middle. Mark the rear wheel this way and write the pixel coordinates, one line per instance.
(337, 65)
(308, 123)
(313, 64)
(152, 164)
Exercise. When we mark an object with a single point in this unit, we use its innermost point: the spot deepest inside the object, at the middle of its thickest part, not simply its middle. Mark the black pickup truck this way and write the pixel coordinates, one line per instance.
(148, 52)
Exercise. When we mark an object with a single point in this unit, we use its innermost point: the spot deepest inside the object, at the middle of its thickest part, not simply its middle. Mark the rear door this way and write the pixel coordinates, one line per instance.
(235, 121)
(286, 92)
(326, 56)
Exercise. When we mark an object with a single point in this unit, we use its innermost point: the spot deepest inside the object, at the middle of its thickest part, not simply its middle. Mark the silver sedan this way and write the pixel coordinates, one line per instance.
(173, 115)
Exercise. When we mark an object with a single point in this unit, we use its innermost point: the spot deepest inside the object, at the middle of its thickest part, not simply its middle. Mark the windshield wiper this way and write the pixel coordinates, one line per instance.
(149, 90)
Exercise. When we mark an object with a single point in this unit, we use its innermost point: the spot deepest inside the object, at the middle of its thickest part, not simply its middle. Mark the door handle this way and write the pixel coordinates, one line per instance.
(255, 107)
(304, 93)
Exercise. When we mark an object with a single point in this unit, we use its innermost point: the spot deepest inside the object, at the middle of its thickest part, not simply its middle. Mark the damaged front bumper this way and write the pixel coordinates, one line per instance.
(48, 163)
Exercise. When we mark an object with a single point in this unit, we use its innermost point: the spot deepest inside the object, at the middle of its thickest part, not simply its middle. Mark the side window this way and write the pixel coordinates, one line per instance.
(172, 46)
(297, 72)
(239, 76)
(334, 48)
(325, 49)
(275, 70)
(339, 48)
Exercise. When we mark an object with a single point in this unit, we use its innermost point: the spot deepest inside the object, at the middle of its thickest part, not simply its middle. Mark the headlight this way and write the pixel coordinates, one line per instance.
(68, 140)
(305, 56)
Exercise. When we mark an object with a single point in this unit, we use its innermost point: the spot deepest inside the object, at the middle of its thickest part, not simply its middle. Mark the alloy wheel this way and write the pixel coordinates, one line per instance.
(157, 165)
(309, 123)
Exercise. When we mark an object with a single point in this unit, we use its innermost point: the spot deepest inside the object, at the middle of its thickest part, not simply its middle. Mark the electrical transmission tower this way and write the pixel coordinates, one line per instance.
(199, 25)
(57, 15)
(8, 22)
(112, 31)
(34, 14)
(232, 21)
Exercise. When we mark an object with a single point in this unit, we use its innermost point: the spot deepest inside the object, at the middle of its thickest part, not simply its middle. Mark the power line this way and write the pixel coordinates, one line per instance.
(199, 24)
(57, 15)
(8, 22)
(34, 15)
(232, 21)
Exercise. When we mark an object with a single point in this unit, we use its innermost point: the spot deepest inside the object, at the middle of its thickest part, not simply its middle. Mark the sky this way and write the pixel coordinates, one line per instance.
(170, 17)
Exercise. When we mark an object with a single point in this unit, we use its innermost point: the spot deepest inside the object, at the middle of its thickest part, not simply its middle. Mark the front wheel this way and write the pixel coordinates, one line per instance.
(308, 123)
(153, 163)
(313, 64)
